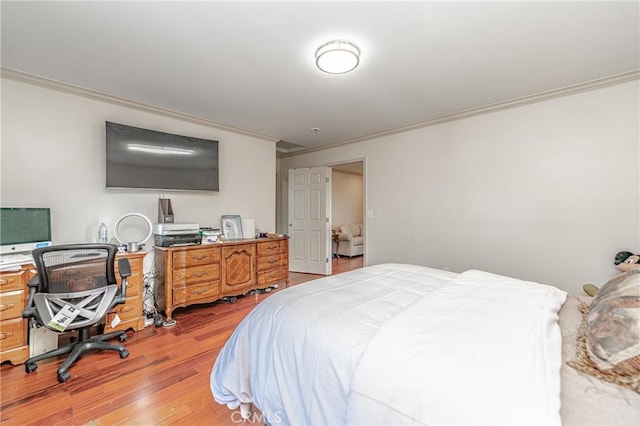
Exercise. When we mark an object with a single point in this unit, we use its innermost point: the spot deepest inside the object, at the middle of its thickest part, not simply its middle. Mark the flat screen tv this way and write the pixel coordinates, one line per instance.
(148, 159)
(24, 229)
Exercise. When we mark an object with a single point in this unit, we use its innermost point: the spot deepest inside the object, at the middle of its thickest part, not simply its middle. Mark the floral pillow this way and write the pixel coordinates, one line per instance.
(613, 325)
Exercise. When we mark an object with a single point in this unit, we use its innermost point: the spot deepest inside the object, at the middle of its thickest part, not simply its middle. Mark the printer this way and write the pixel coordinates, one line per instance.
(176, 234)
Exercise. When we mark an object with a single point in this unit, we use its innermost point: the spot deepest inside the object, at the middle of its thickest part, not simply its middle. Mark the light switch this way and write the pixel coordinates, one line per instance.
(369, 214)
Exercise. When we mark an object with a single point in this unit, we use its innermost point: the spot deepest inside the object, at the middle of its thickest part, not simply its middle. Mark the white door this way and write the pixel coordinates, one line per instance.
(310, 220)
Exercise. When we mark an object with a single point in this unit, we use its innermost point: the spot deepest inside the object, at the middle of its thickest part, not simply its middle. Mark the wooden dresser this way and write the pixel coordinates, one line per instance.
(206, 273)
(14, 345)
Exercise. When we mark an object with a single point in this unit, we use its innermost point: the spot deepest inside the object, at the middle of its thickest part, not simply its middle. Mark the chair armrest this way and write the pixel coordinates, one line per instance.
(125, 271)
(29, 310)
(345, 236)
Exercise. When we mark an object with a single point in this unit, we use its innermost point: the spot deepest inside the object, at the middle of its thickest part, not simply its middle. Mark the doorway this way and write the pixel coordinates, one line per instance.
(348, 204)
(356, 167)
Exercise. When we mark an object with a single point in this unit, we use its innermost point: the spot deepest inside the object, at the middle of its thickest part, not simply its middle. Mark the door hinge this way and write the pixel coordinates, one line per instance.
(326, 260)
(327, 178)
(327, 220)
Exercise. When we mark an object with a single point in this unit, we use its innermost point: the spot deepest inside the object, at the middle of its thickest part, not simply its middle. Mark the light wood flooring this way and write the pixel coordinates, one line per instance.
(164, 381)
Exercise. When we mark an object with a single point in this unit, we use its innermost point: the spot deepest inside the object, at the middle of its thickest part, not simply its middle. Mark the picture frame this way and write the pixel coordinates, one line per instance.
(231, 226)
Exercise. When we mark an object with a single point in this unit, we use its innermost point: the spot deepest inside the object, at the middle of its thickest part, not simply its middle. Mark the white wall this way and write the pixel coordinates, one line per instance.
(346, 198)
(53, 155)
(548, 191)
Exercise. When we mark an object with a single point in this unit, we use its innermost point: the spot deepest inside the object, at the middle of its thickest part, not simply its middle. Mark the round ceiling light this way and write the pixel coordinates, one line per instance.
(337, 57)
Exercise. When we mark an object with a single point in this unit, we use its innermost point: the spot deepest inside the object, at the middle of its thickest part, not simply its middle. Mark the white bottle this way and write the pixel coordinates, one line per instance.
(103, 233)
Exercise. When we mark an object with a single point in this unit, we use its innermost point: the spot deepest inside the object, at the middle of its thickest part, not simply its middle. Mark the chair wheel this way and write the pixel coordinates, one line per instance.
(122, 337)
(30, 367)
(124, 353)
(63, 377)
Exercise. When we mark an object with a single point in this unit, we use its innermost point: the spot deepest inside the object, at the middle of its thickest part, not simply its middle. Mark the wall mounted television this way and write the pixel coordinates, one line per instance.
(149, 159)
(24, 229)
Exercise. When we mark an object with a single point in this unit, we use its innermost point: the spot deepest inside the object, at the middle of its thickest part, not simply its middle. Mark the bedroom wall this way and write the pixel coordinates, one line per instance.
(346, 198)
(53, 155)
(547, 191)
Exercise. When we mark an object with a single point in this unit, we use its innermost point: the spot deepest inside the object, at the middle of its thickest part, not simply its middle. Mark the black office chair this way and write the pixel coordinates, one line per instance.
(74, 290)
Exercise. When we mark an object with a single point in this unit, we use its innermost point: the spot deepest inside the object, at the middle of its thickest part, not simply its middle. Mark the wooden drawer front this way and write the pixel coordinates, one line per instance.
(194, 293)
(136, 270)
(270, 247)
(13, 333)
(186, 258)
(12, 280)
(134, 284)
(270, 262)
(190, 276)
(203, 291)
(130, 310)
(11, 304)
(269, 277)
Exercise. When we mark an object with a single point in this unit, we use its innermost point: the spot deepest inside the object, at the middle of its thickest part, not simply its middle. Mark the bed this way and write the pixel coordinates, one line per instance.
(407, 344)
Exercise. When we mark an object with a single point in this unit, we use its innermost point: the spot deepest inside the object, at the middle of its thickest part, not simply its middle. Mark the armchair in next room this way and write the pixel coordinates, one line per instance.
(350, 240)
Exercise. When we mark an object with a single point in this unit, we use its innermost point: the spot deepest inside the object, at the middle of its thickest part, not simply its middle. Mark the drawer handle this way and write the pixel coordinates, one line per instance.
(272, 247)
(8, 281)
(204, 290)
(126, 309)
(5, 307)
(198, 274)
(271, 262)
(199, 257)
(5, 335)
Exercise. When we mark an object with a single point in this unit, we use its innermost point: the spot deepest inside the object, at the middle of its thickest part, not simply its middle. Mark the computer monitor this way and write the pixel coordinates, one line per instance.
(23, 229)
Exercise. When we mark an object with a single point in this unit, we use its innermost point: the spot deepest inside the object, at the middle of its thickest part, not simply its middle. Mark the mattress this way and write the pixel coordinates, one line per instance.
(407, 344)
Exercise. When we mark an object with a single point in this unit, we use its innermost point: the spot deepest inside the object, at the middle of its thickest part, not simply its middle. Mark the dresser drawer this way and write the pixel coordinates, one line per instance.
(270, 262)
(188, 276)
(187, 258)
(12, 304)
(134, 286)
(270, 247)
(136, 268)
(12, 280)
(194, 293)
(13, 333)
(270, 277)
(129, 310)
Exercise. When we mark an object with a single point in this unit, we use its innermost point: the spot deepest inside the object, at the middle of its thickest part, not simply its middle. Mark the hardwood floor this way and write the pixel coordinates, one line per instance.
(164, 381)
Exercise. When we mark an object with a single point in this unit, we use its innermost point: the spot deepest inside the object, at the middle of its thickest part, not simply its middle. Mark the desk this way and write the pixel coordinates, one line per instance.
(13, 328)
(14, 344)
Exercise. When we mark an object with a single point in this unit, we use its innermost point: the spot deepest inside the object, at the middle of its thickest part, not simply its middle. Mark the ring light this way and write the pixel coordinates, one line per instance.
(132, 245)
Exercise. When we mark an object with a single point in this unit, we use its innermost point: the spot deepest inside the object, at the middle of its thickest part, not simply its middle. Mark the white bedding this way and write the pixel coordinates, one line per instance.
(398, 344)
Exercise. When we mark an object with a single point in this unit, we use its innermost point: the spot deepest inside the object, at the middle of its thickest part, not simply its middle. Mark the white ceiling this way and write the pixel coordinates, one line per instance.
(250, 65)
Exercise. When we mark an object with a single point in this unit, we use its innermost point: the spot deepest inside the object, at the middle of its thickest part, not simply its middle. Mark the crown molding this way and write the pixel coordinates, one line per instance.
(530, 99)
(129, 103)
(512, 103)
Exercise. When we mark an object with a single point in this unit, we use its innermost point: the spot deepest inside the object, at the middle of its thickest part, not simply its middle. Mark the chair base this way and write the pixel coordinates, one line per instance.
(76, 349)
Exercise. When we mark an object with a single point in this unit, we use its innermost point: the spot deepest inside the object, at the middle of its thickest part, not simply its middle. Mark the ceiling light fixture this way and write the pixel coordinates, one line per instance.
(337, 57)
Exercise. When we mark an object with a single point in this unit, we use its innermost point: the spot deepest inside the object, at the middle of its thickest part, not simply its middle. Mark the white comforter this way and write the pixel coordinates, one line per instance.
(398, 344)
